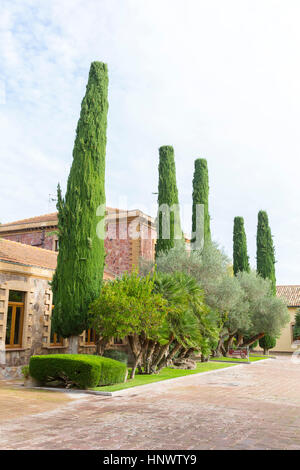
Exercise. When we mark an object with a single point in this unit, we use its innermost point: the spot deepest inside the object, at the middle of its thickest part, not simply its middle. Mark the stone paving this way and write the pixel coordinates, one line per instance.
(245, 407)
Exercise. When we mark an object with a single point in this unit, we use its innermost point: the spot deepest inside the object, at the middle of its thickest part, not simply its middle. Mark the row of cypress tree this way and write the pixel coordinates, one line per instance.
(168, 196)
(265, 259)
(168, 202)
(265, 252)
(168, 199)
(79, 272)
(80, 264)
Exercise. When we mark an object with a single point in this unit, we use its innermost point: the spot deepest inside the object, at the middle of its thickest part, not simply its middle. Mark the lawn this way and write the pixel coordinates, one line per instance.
(236, 359)
(165, 374)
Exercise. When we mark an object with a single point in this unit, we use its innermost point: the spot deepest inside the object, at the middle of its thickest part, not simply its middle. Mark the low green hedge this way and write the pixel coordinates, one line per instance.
(79, 370)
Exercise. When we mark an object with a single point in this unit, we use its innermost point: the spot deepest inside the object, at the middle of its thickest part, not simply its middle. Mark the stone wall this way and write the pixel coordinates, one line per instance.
(37, 311)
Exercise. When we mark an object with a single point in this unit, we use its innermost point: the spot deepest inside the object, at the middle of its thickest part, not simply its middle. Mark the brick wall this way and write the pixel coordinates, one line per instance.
(42, 239)
(126, 240)
(118, 247)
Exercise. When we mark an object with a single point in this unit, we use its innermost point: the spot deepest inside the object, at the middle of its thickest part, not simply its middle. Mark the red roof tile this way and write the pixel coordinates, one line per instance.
(32, 220)
(26, 254)
(52, 217)
(291, 294)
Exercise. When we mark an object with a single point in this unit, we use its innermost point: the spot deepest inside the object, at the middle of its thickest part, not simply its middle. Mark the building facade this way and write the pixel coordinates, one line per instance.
(26, 306)
(28, 257)
(129, 236)
(287, 342)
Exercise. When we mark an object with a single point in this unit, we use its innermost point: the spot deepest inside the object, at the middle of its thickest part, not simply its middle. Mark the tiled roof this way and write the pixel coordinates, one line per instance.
(28, 255)
(42, 219)
(291, 294)
(32, 220)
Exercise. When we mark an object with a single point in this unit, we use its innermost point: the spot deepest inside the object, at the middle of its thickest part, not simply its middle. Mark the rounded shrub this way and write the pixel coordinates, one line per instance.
(267, 342)
(77, 370)
(117, 355)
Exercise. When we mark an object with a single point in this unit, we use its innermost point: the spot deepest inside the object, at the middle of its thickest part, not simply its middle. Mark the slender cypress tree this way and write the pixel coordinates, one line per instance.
(240, 255)
(167, 202)
(265, 254)
(200, 196)
(80, 263)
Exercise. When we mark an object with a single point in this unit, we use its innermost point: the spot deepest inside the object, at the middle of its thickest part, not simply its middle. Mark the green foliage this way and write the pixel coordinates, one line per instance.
(208, 268)
(189, 321)
(117, 355)
(231, 303)
(200, 196)
(82, 370)
(240, 304)
(265, 254)
(168, 195)
(268, 314)
(80, 263)
(297, 325)
(267, 342)
(240, 254)
(112, 371)
(128, 306)
(25, 372)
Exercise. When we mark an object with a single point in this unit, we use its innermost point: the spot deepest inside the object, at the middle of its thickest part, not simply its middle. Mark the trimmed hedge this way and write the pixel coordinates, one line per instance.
(81, 370)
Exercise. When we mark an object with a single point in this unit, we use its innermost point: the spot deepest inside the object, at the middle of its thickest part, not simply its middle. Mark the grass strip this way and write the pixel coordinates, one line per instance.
(166, 373)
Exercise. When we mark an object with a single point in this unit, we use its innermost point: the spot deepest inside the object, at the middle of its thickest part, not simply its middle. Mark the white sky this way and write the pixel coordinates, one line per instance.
(215, 79)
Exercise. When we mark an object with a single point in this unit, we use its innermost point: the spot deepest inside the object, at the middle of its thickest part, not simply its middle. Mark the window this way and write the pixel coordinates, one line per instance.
(90, 336)
(295, 333)
(56, 245)
(15, 318)
(55, 339)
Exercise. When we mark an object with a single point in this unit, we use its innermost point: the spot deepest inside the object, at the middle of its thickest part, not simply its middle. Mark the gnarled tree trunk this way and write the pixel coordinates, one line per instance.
(101, 344)
(165, 360)
(137, 351)
(252, 340)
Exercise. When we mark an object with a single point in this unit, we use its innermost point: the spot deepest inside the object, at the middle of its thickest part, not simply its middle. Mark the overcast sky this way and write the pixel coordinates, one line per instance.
(215, 79)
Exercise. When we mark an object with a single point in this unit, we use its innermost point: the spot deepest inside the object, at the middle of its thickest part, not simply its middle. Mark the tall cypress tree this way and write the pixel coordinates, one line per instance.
(240, 255)
(265, 253)
(167, 200)
(80, 263)
(200, 196)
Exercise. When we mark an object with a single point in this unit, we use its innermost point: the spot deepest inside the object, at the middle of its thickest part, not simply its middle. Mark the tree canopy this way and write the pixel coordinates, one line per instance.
(161, 314)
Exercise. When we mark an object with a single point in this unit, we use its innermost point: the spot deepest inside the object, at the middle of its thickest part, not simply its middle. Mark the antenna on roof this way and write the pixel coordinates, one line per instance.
(51, 199)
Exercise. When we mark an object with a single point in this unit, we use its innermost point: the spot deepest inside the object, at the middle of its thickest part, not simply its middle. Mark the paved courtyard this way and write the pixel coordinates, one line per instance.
(246, 407)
